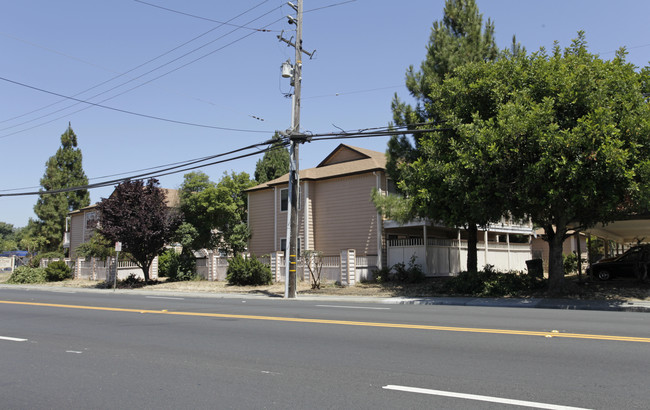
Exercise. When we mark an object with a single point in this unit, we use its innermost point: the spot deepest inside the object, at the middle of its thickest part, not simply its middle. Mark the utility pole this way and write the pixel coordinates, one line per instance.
(295, 138)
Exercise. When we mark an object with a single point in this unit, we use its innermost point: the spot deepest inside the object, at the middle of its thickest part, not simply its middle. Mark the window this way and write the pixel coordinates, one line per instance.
(284, 201)
(283, 245)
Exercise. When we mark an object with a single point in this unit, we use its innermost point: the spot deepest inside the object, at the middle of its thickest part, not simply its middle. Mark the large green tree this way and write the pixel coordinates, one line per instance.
(64, 169)
(137, 215)
(216, 212)
(454, 180)
(274, 163)
(7, 237)
(566, 136)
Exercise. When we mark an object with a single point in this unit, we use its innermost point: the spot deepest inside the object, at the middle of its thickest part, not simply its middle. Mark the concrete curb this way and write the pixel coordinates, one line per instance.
(529, 303)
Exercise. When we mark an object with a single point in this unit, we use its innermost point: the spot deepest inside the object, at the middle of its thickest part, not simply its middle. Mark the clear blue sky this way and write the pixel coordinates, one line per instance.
(363, 49)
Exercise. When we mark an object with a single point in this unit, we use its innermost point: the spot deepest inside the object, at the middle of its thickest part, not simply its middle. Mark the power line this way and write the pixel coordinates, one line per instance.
(204, 18)
(271, 144)
(331, 5)
(355, 92)
(129, 71)
(142, 75)
(200, 163)
(129, 112)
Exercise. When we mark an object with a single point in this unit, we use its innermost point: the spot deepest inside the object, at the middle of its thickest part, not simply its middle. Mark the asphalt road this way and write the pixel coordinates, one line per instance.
(58, 350)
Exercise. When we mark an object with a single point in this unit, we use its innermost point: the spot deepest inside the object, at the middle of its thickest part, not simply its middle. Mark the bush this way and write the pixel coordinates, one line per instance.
(489, 282)
(248, 272)
(400, 273)
(412, 274)
(176, 267)
(131, 281)
(570, 263)
(381, 275)
(166, 262)
(57, 271)
(35, 262)
(27, 274)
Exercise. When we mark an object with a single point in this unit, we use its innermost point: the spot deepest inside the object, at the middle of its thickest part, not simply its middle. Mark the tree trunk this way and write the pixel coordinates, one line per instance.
(472, 240)
(555, 241)
(145, 270)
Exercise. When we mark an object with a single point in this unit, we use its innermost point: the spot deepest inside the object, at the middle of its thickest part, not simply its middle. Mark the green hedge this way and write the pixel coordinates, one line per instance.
(57, 271)
(248, 272)
(489, 282)
(27, 274)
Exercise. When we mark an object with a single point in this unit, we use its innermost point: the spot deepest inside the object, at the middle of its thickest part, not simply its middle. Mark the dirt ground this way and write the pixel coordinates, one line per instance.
(618, 289)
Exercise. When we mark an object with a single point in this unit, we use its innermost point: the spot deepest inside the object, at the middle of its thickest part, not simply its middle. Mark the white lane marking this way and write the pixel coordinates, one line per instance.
(12, 339)
(164, 297)
(481, 398)
(354, 307)
(73, 351)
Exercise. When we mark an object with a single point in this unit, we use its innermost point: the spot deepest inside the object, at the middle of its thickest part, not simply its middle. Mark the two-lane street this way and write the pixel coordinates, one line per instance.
(106, 350)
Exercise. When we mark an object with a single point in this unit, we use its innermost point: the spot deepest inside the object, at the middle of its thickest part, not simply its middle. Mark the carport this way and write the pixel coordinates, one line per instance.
(624, 232)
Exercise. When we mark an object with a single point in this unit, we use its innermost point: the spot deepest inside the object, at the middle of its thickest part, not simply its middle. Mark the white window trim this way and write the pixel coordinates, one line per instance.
(284, 240)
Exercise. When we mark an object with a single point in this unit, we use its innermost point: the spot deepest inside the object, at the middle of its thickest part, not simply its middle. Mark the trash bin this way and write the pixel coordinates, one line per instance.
(535, 268)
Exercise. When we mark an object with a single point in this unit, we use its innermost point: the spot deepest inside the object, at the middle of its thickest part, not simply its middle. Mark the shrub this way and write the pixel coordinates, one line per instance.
(27, 274)
(248, 272)
(381, 275)
(400, 273)
(131, 281)
(489, 282)
(177, 267)
(57, 271)
(570, 263)
(35, 262)
(412, 274)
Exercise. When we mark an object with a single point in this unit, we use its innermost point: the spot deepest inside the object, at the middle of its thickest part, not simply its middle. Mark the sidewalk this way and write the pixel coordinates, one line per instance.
(530, 303)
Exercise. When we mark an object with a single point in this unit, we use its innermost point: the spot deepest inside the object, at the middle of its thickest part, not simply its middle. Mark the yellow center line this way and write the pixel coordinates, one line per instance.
(350, 323)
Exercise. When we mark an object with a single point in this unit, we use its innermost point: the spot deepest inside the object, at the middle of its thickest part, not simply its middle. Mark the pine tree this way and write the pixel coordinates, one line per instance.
(458, 39)
(63, 169)
(274, 163)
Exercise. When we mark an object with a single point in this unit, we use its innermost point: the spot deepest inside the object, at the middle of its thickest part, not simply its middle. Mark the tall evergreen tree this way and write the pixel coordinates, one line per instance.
(274, 163)
(63, 169)
(458, 39)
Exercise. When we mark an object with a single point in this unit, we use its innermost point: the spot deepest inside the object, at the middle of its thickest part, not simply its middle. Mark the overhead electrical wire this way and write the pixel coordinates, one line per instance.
(147, 82)
(205, 18)
(186, 166)
(130, 70)
(331, 5)
(353, 92)
(130, 112)
(271, 144)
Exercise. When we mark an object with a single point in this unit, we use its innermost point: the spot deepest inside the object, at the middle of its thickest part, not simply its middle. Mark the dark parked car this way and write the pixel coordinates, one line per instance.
(634, 262)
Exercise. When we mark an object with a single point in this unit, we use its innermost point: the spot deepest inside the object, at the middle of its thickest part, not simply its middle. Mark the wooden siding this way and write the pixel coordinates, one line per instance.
(344, 216)
(261, 219)
(76, 232)
(344, 156)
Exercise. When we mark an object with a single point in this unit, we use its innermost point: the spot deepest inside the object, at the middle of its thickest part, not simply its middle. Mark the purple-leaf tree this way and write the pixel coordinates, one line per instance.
(137, 215)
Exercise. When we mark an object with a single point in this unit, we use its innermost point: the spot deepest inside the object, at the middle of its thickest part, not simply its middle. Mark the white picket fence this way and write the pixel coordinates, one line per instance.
(443, 257)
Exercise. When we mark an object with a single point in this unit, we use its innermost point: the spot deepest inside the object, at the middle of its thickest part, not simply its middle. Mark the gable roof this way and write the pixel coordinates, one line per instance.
(172, 200)
(344, 160)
